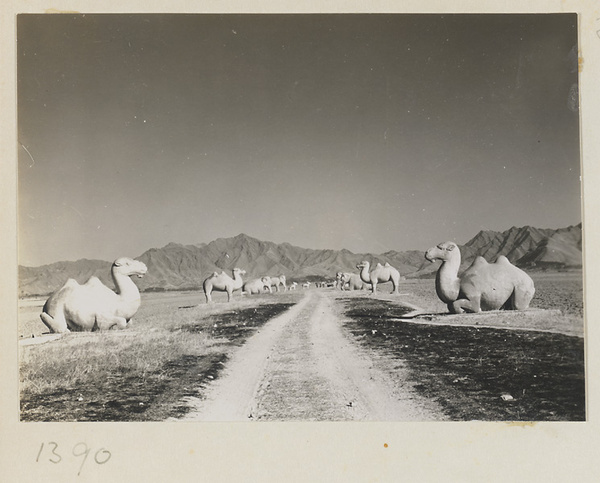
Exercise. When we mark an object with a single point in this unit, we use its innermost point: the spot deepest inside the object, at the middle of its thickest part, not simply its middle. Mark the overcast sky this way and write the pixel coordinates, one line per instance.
(365, 132)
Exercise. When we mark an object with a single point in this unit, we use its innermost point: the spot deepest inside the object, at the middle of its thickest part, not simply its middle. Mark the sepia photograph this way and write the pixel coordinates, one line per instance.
(299, 217)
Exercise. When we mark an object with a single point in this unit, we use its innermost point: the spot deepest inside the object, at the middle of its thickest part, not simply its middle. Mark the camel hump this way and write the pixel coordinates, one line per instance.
(387, 264)
(479, 262)
(503, 260)
(73, 283)
(92, 281)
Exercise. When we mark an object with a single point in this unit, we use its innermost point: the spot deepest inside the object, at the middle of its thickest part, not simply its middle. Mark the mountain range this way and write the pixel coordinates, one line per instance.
(184, 267)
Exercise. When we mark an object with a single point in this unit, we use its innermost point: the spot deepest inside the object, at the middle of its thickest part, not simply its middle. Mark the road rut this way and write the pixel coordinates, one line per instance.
(301, 366)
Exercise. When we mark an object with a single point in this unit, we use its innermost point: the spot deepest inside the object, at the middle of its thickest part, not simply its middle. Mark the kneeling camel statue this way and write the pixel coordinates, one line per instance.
(482, 286)
(93, 306)
(256, 286)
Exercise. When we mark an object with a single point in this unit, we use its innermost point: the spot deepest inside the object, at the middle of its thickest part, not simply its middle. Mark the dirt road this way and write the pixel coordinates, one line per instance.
(301, 366)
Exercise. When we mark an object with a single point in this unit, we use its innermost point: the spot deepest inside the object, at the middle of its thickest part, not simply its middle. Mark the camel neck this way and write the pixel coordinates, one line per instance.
(237, 280)
(128, 295)
(124, 286)
(447, 283)
(364, 274)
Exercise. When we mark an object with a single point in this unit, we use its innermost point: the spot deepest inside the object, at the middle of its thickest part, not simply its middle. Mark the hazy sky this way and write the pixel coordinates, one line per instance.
(365, 132)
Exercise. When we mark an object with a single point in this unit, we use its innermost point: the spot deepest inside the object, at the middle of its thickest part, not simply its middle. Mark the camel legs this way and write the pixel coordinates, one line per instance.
(519, 300)
(57, 326)
(229, 292)
(107, 323)
(208, 297)
(465, 305)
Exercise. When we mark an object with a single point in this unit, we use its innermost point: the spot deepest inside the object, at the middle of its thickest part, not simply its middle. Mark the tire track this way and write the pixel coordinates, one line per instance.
(231, 397)
(301, 366)
(318, 374)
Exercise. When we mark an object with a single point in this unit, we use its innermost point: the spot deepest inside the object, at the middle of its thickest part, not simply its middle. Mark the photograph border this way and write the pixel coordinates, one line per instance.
(183, 451)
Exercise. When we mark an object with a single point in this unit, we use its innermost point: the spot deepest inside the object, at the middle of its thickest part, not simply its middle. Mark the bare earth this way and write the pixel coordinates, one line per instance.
(307, 364)
(300, 366)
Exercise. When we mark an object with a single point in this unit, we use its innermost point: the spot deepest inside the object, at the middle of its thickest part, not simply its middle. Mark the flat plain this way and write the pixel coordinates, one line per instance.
(317, 354)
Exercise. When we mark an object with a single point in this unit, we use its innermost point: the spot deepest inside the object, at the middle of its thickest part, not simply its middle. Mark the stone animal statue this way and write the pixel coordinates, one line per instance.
(293, 286)
(380, 274)
(256, 286)
(352, 281)
(482, 286)
(277, 281)
(221, 282)
(268, 283)
(338, 280)
(93, 306)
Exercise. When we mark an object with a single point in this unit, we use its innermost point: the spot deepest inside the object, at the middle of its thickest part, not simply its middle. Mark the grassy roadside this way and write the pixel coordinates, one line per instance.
(145, 372)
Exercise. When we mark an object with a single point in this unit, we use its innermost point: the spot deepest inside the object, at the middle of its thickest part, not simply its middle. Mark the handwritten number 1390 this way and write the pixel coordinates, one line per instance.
(79, 450)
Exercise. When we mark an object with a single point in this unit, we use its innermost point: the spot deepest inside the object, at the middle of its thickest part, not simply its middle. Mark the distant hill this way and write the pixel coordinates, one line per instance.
(527, 247)
(184, 267)
(47, 278)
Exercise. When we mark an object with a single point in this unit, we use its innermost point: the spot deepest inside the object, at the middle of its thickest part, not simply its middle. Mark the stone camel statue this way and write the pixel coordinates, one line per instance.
(277, 281)
(380, 274)
(338, 279)
(482, 286)
(93, 306)
(221, 282)
(258, 285)
(352, 281)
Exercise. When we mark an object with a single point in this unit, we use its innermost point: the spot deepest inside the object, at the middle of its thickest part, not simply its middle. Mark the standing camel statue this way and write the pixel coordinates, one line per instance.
(93, 306)
(277, 281)
(380, 274)
(221, 282)
(482, 286)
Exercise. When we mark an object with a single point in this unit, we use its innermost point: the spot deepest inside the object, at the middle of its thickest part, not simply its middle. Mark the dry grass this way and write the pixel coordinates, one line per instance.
(80, 358)
(141, 373)
(172, 348)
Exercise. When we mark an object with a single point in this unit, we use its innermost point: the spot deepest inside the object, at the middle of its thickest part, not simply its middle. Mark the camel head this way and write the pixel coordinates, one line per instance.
(363, 264)
(443, 251)
(128, 267)
(239, 270)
